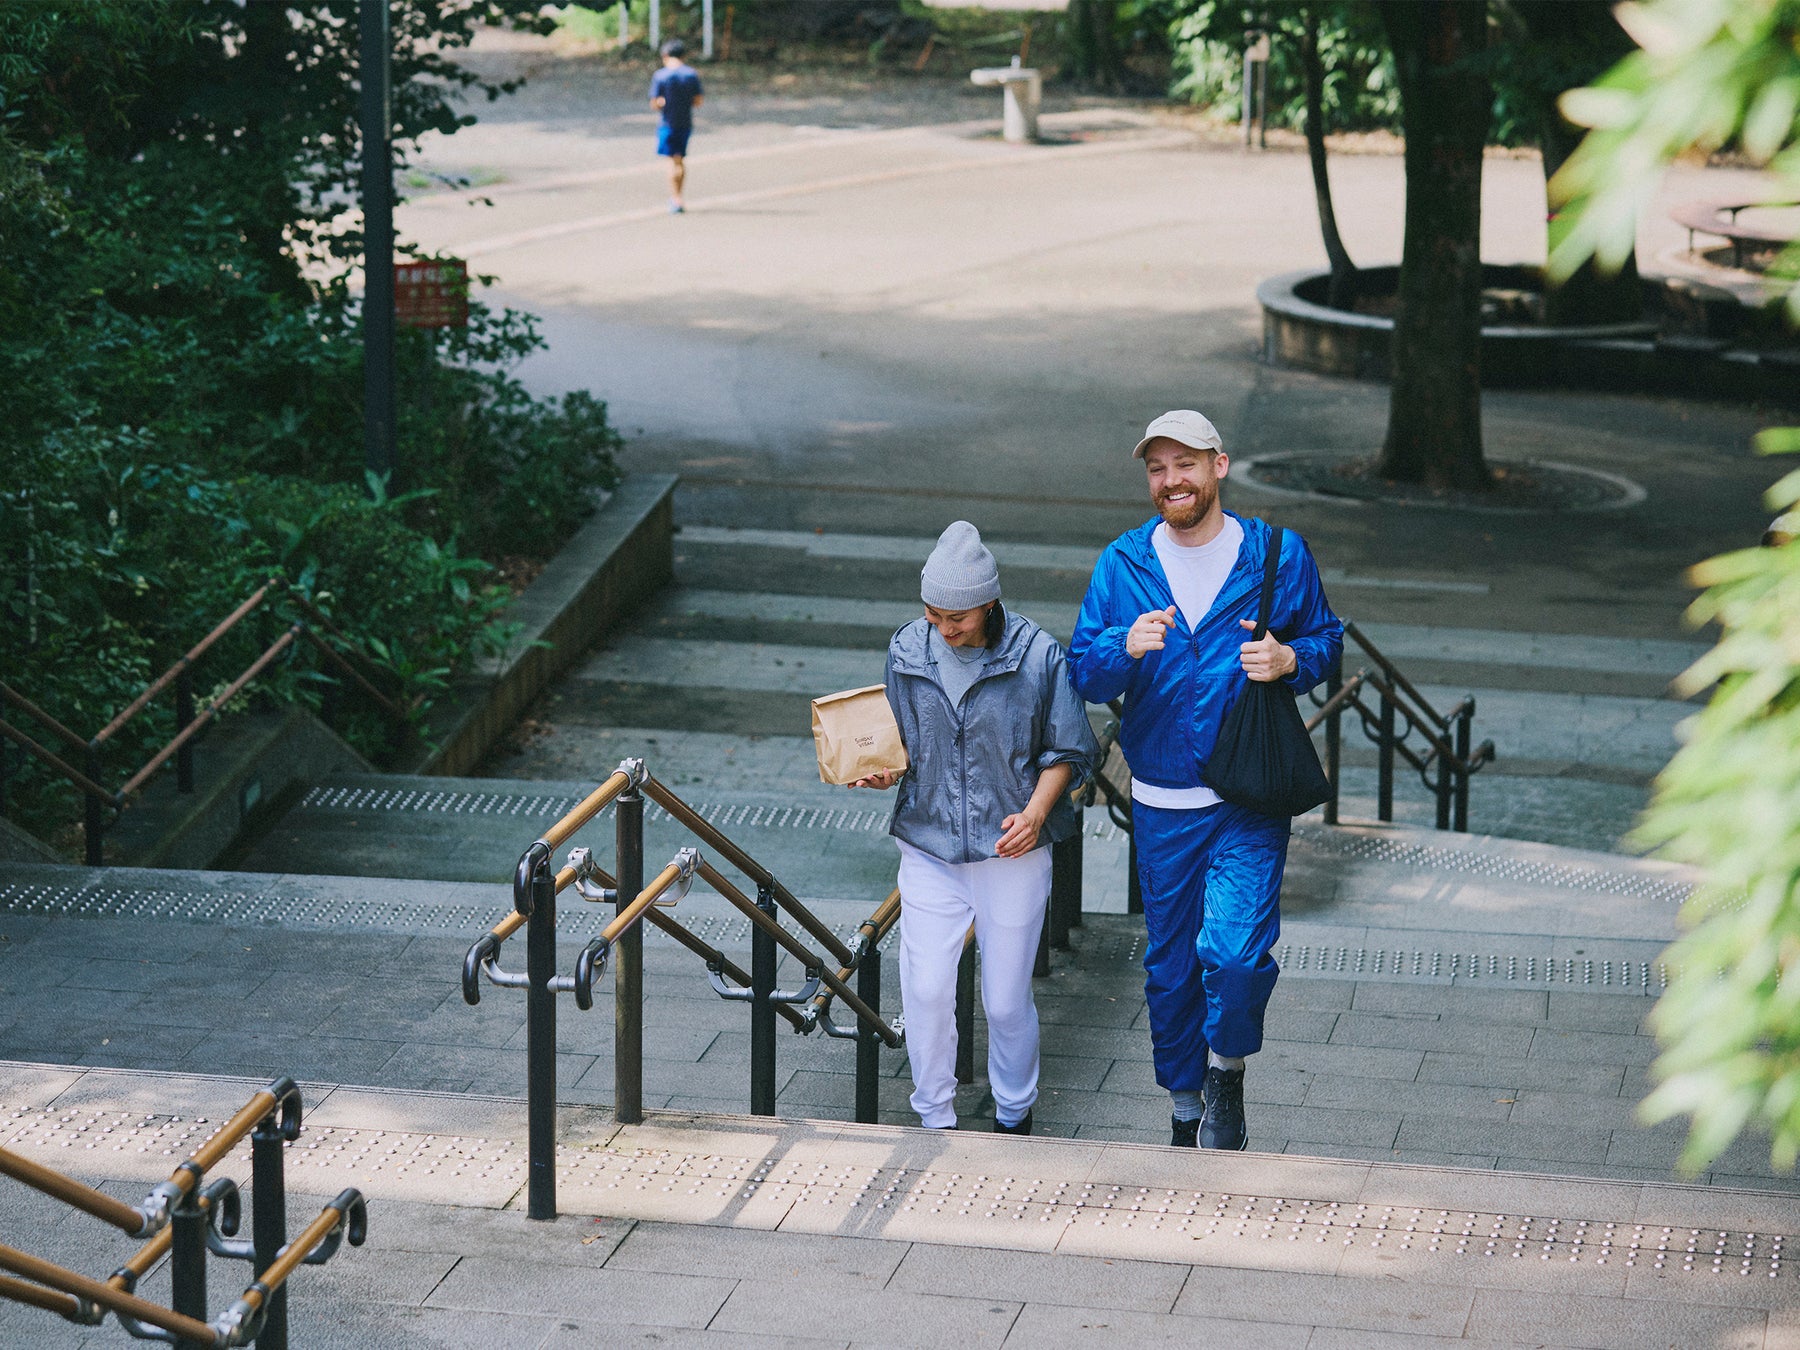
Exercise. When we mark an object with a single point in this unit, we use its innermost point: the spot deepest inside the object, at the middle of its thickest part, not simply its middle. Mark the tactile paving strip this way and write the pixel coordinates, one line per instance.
(639, 1179)
(552, 808)
(1394, 963)
(136, 1145)
(1319, 839)
(1490, 866)
(1106, 940)
(302, 911)
(659, 1183)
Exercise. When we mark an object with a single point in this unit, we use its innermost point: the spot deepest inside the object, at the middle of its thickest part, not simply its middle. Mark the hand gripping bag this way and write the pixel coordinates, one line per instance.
(1264, 759)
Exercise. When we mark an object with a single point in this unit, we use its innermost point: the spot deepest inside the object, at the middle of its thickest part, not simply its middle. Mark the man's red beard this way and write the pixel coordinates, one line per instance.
(1205, 494)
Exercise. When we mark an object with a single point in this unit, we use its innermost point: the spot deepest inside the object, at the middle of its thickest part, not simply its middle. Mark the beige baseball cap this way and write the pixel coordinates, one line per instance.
(1184, 425)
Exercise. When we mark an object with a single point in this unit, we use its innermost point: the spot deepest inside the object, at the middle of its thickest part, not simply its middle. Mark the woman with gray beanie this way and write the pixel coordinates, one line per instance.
(995, 736)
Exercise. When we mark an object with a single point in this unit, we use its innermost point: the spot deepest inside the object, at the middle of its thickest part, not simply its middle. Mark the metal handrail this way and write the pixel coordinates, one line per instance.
(189, 722)
(183, 1219)
(182, 663)
(101, 1295)
(1393, 673)
(1447, 735)
(345, 1218)
(798, 950)
(741, 860)
(869, 935)
(536, 886)
(281, 1098)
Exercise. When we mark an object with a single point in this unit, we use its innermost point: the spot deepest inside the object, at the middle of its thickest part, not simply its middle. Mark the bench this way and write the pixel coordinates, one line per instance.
(1721, 218)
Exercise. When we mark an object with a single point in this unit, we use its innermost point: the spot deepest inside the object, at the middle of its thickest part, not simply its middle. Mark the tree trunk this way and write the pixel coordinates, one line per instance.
(1434, 410)
(1342, 294)
(263, 178)
(1572, 42)
(1093, 48)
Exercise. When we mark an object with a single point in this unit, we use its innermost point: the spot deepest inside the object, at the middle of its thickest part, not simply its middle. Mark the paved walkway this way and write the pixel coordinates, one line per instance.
(1446, 1000)
(878, 318)
(709, 1231)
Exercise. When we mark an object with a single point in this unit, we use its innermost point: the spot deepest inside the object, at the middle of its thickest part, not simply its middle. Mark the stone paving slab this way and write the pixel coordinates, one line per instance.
(1423, 1016)
(897, 1236)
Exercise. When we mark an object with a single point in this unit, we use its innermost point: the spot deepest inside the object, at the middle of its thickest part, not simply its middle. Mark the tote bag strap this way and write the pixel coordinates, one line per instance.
(1266, 606)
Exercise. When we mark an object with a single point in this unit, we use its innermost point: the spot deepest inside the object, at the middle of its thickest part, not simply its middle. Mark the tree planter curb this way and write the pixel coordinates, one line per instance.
(1302, 333)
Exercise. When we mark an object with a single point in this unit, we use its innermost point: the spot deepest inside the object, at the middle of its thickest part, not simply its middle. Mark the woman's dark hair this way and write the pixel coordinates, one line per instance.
(995, 628)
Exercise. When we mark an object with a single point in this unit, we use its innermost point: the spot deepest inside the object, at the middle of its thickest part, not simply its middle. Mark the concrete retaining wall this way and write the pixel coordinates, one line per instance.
(617, 561)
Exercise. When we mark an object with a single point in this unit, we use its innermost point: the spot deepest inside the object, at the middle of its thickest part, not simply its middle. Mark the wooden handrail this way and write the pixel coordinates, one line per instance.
(55, 761)
(211, 710)
(44, 719)
(193, 654)
(97, 1204)
(762, 876)
(97, 1291)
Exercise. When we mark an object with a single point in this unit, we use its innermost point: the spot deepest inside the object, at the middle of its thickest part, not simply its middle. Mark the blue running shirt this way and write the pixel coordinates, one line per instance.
(677, 87)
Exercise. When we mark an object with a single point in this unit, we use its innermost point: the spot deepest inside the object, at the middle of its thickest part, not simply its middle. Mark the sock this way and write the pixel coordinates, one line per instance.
(1218, 1061)
(1188, 1105)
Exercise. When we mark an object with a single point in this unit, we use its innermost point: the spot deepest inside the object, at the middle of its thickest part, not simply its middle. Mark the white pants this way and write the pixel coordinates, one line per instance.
(1005, 899)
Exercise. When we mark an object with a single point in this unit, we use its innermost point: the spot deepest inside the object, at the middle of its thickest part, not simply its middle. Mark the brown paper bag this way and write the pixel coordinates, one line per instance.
(856, 735)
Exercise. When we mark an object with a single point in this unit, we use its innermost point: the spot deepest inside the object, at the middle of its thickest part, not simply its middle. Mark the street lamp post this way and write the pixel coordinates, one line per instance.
(376, 117)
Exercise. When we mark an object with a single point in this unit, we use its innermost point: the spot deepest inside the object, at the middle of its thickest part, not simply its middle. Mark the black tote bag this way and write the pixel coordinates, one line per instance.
(1264, 759)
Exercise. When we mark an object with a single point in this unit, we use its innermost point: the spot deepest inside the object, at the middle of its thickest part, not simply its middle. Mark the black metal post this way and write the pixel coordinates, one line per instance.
(1465, 723)
(1040, 964)
(1334, 740)
(868, 1041)
(1134, 884)
(965, 1016)
(375, 115)
(1077, 849)
(1262, 105)
(762, 1010)
(1065, 889)
(628, 965)
(184, 715)
(1384, 790)
(540, 1043)
(187, 1259)
(94, 813)
(268, 1222)
(1443, 790)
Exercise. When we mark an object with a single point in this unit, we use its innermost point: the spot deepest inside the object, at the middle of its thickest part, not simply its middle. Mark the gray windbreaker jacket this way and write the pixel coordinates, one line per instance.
(975, 764)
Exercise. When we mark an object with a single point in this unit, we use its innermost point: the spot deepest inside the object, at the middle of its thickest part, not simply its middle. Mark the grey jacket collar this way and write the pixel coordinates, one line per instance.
(912, 652)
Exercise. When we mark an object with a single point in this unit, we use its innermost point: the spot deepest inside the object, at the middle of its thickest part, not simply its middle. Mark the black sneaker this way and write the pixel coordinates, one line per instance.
(1223, 1125)
(1017, 1127)
(1182, 1132)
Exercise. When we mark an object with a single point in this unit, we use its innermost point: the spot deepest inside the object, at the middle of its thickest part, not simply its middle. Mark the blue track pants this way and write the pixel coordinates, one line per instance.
(1212, 888)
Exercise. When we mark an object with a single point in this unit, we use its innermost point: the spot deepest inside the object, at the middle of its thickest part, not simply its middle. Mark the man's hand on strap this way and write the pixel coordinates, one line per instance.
(1268, 659)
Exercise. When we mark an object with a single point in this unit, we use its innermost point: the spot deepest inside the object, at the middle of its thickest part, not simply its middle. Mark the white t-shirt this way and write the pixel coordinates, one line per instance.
(1196, 576)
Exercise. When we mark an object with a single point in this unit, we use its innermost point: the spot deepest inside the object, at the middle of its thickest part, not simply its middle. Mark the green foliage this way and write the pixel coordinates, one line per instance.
(1711, 72)
(180, 350)
(1360, 89)
(1730, 802)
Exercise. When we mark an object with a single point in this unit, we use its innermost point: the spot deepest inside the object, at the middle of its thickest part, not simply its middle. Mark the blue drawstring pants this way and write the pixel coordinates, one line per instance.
(1211, 880)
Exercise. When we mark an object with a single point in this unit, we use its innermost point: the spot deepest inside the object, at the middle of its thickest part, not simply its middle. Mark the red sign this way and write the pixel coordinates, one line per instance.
(433, 294)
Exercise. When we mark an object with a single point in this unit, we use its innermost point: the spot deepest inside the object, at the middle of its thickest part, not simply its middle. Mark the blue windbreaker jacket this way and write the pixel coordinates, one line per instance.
(976, 763)
(1175, 699)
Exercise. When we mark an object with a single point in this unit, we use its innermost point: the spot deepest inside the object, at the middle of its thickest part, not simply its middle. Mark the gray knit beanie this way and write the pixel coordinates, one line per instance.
(960, 573)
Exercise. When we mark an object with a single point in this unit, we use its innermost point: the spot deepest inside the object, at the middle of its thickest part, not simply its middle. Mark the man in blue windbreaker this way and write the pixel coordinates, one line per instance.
(1164, 626)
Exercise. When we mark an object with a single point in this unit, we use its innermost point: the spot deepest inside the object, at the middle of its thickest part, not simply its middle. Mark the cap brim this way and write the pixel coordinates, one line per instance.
(1144, 444)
